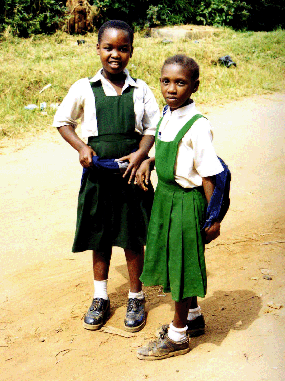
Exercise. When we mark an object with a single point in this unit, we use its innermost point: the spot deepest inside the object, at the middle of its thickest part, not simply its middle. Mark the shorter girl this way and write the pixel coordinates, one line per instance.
(186, 165)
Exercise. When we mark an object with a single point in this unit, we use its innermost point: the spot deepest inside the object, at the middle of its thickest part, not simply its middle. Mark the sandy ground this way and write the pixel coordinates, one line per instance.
(45, 289)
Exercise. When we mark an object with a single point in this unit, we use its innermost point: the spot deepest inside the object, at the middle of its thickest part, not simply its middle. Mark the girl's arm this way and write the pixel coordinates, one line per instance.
(135, 158)
(214, 230)
(143, 173)
(209, 186)
(85, 152)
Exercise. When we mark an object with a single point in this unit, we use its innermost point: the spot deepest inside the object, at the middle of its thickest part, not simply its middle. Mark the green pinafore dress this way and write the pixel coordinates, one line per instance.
(174, 255)
(110, 211)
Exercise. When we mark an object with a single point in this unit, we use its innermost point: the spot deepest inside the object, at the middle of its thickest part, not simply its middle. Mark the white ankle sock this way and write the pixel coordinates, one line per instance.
(194, 313)
(176, 334)
(137, 295)
(100, 289)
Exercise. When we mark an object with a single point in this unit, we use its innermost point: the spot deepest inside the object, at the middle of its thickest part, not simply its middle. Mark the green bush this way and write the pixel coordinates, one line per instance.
(150, 13)
(143, 13)
(128, 11)
(256, 15)
(168, 12)
(232, 13)
(28, 17)
(266, 15)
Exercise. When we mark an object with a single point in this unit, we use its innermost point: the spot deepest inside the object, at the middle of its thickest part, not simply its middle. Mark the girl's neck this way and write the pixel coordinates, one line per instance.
(117, 80)
(188, 102)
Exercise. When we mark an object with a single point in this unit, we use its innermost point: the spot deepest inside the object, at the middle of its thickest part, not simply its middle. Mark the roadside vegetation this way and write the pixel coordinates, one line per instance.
(29, 17)
(28, 65)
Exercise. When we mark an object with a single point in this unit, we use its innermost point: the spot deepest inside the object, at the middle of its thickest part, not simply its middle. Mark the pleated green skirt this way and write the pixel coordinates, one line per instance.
(174, 255)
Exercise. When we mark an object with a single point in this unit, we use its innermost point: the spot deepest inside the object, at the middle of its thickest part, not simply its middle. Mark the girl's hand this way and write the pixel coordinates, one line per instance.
(143, 174)
(134, 159)
(86, 154)
(212, 232)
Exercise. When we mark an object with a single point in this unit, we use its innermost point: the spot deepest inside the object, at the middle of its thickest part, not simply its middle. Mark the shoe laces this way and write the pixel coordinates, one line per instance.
(164, 330)
(133, 305)
(97, 304)
(155, 343)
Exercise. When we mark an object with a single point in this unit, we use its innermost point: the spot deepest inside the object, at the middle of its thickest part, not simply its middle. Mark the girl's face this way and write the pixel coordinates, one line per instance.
(115, 50)
(177, 85)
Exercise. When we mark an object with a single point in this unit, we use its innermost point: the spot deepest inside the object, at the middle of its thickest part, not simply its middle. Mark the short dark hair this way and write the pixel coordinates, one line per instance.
(116, 24)
(187, 62)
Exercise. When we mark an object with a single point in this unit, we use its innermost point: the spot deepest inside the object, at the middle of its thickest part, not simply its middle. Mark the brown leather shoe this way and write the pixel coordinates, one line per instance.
(162, 348)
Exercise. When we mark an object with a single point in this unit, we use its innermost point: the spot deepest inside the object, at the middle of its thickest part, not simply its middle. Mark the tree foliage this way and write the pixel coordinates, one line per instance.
(238, 14)
(26, 17)
(232, 13)
(266, 15)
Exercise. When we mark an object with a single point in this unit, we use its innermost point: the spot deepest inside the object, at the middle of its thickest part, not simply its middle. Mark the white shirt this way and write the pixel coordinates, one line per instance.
(79, 103)
(196, 157)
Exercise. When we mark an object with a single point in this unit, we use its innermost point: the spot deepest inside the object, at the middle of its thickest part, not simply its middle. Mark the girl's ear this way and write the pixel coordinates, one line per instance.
(132, 51)
(98, 49)
(196, 85)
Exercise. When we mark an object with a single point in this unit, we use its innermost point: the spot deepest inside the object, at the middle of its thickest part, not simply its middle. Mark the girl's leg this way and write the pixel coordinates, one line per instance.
(195, 319)
(194, 303)
(135, 316)
(135, 266)
(99, 310)
(181, 312)
(177, 331)
(101, 264)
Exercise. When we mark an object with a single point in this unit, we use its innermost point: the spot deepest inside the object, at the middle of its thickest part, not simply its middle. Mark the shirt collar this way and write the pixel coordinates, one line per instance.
(128, 82)
(181, 111)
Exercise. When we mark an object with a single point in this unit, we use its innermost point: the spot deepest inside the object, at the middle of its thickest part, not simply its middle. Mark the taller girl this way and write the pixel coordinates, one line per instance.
(119, 115)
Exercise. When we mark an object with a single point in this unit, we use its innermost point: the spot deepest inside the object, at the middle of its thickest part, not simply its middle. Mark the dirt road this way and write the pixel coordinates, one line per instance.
(45, 289)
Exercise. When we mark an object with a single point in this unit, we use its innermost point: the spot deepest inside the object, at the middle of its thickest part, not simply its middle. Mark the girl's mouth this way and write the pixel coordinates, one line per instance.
(114, 63)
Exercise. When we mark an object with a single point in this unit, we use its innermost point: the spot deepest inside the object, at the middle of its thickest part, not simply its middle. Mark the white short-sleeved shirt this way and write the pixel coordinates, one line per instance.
(196, 156)
(79, 103)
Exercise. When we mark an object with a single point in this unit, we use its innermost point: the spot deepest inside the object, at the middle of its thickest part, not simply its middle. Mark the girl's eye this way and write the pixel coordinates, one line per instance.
(181, 83)
(165, 81)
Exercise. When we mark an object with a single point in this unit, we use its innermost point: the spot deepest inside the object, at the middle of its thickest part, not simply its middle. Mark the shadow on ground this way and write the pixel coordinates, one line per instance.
(223, 310)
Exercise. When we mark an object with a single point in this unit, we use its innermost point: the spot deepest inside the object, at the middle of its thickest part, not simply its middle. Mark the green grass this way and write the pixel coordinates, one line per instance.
(27, 65)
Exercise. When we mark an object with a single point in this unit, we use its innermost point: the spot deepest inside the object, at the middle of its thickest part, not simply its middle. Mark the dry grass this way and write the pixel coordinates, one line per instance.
(27, 65)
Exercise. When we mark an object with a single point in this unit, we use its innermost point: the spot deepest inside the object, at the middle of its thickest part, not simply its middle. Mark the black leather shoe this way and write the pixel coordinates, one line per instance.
(196, 327)
(97, 314)
(135, 317)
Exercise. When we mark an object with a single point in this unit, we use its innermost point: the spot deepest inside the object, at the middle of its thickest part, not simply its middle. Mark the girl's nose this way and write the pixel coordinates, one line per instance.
(172, 88)
(115, 53)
